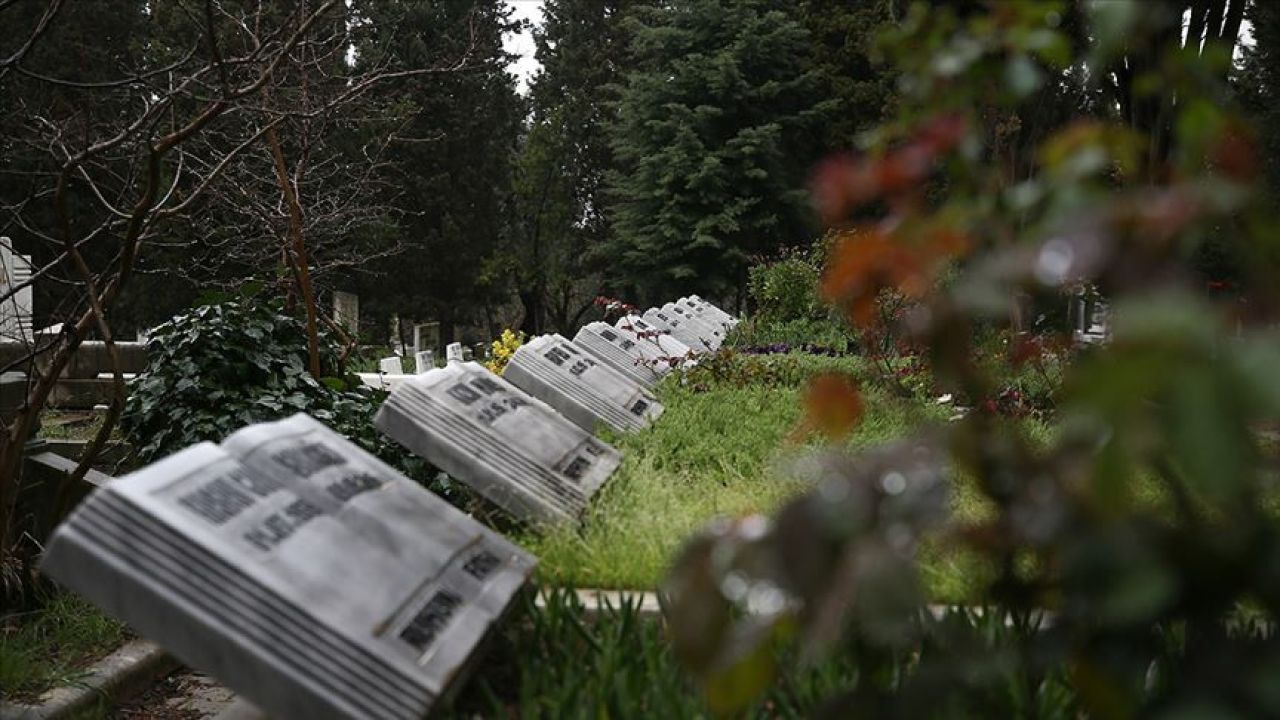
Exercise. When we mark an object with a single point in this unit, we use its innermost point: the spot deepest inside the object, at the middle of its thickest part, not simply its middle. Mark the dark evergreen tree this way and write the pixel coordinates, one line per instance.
(719, 122)
(564, 157)
(453, 155)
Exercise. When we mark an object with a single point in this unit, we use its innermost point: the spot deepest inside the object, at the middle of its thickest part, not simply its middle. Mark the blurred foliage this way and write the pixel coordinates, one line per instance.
(1119, 609)
(615, 663)
(229, 364)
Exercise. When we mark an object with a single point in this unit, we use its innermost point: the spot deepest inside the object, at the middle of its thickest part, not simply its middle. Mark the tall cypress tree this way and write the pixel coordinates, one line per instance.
(718, 125)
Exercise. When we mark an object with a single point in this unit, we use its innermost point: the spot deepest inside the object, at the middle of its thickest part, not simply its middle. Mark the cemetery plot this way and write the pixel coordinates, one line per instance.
(509, 447)
(585, 391)
(686, 334)
(634, 358)
(668, 347)
(710, 332)
(297, 569)
(707, 311)
(453, 353)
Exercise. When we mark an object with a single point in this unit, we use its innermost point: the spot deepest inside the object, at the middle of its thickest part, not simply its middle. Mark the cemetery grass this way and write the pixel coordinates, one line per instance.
(52, 645)
(724, 450)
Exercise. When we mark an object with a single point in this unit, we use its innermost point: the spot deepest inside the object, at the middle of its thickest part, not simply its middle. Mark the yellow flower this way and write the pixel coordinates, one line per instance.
(503, 348)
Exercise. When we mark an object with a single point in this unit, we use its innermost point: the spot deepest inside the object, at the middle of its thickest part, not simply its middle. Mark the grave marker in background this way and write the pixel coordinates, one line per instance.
(709, 331)
(16, 324)
(297, 569)
(638, 360)
(681, 331)
(511, 448)
(390, 366)
(424, 360)
(346, 312)
(426, 336)
(453, 353)
(670, 348)
(585, 391)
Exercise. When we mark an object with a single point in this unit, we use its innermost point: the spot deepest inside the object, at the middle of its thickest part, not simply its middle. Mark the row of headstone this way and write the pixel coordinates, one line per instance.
(316, 581)
(525, 440)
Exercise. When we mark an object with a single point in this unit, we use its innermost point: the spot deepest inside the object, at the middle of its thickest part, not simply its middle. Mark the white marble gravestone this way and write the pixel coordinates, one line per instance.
(679, 329)
(424, 360)
(296, 569)
(709, 331)
(390, 366)
(509, 447)
(346, 312)
(453, 353)
(16, 309)
(706, 310)
(587, 392)
(638, 360)
(672, 350)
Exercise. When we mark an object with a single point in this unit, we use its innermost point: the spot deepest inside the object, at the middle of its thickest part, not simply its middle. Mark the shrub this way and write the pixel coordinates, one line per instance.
(226, 365)
(503, 348)
(786, 288)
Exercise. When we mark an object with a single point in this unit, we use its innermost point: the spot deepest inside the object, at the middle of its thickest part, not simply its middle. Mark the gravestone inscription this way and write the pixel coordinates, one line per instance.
(453, 353)
(681, 331)
(511, 448)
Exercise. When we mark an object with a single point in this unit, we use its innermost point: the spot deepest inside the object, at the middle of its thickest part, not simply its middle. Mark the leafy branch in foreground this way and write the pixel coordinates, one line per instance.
(1131, 599)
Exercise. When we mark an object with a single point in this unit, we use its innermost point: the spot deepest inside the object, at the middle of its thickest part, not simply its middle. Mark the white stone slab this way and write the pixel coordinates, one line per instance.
(707, 310)
(679, 329)
(297, 569)
(16, 322)
(346, 312)
(453, 353)
(641, 361)
(424, 360)
(391, 366)
(710, 332)
(509, 447)
(587, 392)
(426, 336)
(383, 381)
(675, 352)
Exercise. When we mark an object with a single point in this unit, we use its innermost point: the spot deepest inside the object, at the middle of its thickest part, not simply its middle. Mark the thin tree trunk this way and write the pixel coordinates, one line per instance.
(298, 250)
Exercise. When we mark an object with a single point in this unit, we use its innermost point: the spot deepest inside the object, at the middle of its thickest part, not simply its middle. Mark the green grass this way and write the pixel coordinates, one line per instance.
(52, 645)
(712, 453)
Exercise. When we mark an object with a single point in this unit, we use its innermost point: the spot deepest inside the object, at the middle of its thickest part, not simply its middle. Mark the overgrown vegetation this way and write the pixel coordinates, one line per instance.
(49, 646)
(236, 362)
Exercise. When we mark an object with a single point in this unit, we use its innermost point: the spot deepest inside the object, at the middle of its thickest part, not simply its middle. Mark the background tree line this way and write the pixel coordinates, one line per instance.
(662, 148)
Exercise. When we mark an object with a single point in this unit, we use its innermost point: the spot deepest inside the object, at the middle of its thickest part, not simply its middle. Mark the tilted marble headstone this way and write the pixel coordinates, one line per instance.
(297, 569)
(453, 353)
(390, 366)
(424, 360)
(709, 331)
(16, 323)
(587, 392)
(679, 329)
(509, 447)
(346, 312)
(709, 311)
(672, 350)
(641, 361)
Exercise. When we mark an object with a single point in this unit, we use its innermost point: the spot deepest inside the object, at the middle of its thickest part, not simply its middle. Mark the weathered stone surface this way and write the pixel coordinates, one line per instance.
(638, 360)
(509, 447)
(710, 332)
(346, 312)
(391, 366)
(424, 360)
(675, 352)
(299, 570)
(679, 329)
(16, 309)
(587, 392)
(454, 353)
